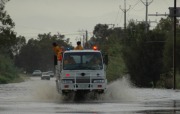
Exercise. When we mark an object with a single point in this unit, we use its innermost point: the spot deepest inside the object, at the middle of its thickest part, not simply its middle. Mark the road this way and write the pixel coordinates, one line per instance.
(36, 96)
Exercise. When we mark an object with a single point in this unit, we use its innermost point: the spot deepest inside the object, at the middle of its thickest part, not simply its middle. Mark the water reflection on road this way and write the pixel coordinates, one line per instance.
(37, 96)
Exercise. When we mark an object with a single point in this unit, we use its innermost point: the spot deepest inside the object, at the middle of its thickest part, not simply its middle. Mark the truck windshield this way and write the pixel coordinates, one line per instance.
(82, 61)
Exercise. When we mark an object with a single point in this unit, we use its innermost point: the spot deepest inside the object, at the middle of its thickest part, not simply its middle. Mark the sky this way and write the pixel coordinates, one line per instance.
(73, 17)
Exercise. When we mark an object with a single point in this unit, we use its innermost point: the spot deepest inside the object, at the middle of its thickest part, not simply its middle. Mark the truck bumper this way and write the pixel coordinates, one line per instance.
(73, 87)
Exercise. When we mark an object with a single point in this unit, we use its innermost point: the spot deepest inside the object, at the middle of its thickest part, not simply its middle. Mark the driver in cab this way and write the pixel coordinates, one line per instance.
(69, 60)
(95, 61)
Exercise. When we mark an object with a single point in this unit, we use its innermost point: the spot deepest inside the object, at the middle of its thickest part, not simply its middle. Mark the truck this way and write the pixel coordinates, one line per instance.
(81, 71)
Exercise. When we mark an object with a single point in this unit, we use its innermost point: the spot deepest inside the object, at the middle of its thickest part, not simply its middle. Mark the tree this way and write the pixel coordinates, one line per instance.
(7, 35)
(101, 34)
(8, 46)
(116, 67)
(38, 53)
(109, 41)
(166, 26)
(20, 42)
(100, 31)
(143, 54)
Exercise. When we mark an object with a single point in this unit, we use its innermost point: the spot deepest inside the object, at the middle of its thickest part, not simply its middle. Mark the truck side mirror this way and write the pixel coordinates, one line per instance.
(105, 59)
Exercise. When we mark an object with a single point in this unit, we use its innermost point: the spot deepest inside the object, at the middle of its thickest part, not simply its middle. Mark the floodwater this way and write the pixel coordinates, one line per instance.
(36, 96)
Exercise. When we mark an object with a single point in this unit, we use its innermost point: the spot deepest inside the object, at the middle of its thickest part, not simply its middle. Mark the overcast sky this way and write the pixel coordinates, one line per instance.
(68, 17)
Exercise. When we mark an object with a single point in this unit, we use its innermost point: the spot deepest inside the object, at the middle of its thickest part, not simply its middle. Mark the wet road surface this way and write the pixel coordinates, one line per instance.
(36, 96)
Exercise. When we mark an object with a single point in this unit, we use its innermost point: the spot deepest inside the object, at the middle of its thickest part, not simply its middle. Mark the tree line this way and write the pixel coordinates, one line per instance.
(146, 57)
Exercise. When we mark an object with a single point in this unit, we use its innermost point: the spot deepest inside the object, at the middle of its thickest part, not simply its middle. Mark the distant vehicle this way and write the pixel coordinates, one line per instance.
(45, 76)
(51, 73)
(37, 73)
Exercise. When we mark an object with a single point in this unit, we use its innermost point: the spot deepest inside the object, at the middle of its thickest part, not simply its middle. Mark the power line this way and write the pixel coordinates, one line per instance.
(135, 4)
(73, 33)
(116, 16)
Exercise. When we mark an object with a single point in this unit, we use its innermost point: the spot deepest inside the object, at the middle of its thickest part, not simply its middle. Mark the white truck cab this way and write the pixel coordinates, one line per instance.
(81, 70)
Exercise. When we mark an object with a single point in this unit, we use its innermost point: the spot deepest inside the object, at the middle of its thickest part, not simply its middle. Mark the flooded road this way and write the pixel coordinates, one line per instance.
(36, 96)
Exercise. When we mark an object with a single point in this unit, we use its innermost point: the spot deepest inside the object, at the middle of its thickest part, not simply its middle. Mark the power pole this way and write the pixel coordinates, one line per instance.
(146, 17)
(83, 40)
(86, 36)
(174, 12)
(174, 48)
(125, 10)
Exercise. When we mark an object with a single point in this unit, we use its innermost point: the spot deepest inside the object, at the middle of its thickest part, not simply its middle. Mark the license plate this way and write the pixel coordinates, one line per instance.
(83, 85)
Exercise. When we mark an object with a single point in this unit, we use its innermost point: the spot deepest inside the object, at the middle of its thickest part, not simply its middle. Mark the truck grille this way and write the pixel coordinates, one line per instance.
(82, 80)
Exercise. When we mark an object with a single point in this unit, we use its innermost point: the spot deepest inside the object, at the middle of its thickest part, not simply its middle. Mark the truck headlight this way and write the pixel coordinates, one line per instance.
(67, 81)
(98, 81)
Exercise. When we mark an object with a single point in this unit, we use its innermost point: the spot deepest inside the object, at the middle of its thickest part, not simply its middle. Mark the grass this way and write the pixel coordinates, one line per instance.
(20, 78)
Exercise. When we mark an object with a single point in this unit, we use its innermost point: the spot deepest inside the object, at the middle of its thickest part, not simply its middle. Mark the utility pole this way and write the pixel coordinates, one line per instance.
(174, 13)
(146, 17)
(174, 49)
(83, 40)
(125, 10)
(86, 42)
(86, 36)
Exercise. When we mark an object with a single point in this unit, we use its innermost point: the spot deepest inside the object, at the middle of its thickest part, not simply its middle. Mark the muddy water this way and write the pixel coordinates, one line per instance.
(37, 96)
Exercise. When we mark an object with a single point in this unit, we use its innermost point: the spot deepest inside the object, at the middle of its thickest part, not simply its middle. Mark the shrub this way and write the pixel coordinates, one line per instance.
(8, 71)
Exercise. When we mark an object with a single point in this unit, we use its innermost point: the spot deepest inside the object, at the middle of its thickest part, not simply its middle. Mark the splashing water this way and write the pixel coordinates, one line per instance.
(45, 92)
(120, 90)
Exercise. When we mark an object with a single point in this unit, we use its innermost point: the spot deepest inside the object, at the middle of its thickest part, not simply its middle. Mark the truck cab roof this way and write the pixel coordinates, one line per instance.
(89, 50)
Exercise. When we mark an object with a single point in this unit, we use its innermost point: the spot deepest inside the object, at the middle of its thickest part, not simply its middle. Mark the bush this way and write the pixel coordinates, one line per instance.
(3, 80)
(115, 70)
(8, 71)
